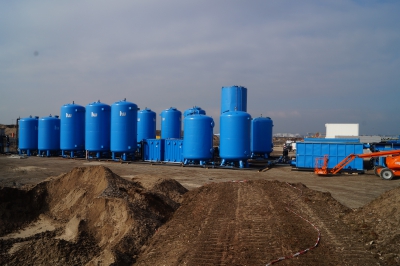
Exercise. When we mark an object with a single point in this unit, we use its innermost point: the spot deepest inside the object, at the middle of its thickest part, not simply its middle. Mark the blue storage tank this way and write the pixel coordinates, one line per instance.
(28, 135)
(173, 150)
(72, 131)
(235, 128)
(194, 110)
(198, 138)
(261, 137)
(171, 123)
(123, 129)
(97, 128)
(49, 135)
(233, 98)
(146, 125)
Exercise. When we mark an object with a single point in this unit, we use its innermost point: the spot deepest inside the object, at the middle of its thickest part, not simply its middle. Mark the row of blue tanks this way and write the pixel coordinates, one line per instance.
(100, 129)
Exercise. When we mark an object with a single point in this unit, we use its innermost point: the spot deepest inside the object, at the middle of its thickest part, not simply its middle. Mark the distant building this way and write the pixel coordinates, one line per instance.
(338, 130)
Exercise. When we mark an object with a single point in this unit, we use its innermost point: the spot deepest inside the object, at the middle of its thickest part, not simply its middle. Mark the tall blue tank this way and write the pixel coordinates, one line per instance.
(146, 124)
(97, 127)
(72, 131)
(261, 137)
(235, 128)
(48, 135)
(198, 138)
(233, 98)
(194, 110)
(171, 123)
(28, 135)
(123, 128)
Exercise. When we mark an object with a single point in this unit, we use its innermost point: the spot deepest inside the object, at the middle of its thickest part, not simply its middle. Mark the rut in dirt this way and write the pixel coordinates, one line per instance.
(247, 224)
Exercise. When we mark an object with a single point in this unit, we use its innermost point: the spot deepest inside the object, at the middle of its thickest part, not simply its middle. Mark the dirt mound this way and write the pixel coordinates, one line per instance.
(379, 225)
(87, 216)
(19, 207)
(252, 223)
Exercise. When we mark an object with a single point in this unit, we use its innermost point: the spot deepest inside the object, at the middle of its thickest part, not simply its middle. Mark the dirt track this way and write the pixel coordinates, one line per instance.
(219, 222)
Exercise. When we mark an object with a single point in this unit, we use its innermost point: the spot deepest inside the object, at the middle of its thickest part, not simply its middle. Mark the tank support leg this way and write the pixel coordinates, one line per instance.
(223, 162)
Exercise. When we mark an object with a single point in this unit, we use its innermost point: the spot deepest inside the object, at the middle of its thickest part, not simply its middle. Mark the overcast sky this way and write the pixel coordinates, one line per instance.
(304, 63)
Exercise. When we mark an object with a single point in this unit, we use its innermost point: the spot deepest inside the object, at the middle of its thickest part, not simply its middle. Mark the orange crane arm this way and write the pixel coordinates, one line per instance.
(337, 168)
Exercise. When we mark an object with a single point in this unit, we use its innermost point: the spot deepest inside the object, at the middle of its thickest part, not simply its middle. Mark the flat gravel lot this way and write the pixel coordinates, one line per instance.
(351, 190)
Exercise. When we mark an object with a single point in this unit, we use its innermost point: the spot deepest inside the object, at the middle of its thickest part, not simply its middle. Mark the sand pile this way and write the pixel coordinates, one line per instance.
(379, 225)
(87, 216)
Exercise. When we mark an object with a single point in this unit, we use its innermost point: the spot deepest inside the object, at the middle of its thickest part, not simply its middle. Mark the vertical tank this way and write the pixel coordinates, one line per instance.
(28, 134)
(235, 130)
(261, 137)
(48, 135)
(194, 110)
(233, 98)
(123, 128)
(198, 139)
(97, 127)
(146, 124)
(171, 123)
(72, 131)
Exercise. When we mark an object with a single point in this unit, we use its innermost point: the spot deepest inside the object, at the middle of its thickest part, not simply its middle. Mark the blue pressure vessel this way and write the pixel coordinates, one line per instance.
(72, 131)
(194, 110)
(97, 127)
(171, 123)
(261, 136)
(233, 98)
(146, 124)
(198, 138)
(28, 134)
(49, 135)
(123, 127)
(235, 130)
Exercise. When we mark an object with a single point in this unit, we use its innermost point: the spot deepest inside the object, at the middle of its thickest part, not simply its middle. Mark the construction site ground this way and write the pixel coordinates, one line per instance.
(56, 211)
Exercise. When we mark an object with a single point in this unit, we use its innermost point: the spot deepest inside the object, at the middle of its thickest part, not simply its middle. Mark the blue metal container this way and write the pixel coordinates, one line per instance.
(49, 135)
(307, 152)
(72, 129)
(28, 135)
(235, 128)
(171, 123)
(146, 125)
(153, 150)
(233, 98)
(261, 137)
(194, 110)
(123, 129)
(97, 128)
(173, 150)
(198, 138)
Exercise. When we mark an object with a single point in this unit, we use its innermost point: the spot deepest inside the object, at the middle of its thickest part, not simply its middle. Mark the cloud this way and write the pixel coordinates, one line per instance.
(304, 63)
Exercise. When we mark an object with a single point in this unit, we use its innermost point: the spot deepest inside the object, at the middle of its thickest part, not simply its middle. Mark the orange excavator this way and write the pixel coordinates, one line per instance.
(387, 172)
